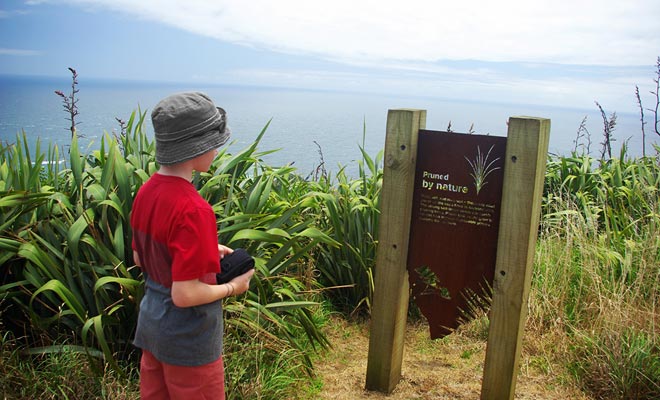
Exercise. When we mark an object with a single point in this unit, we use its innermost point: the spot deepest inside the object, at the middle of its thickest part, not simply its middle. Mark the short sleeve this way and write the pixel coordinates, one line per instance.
(193, 245)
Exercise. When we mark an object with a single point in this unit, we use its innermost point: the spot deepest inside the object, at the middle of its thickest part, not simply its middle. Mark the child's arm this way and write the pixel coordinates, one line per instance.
(194, 292)
(136, 259)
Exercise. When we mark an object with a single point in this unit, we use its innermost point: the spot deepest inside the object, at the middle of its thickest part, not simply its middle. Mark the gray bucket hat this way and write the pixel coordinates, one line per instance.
(187, 125)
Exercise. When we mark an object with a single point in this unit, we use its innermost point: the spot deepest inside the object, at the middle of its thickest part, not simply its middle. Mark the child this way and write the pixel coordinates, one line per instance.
(180, 326)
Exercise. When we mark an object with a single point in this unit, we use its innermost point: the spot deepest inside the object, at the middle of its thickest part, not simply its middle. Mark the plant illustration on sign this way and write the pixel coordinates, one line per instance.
(481, 168)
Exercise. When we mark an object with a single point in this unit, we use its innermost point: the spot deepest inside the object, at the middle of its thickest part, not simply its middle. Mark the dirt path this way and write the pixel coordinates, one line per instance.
(448, 368)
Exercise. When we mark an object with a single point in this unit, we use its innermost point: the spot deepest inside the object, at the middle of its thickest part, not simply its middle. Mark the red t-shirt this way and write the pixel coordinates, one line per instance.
(174, 232)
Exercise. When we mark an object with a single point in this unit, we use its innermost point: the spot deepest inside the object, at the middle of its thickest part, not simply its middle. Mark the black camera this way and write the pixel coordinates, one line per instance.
(233, 265)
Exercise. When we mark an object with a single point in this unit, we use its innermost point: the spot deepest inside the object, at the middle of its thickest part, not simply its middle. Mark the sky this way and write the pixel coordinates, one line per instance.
(566, 53)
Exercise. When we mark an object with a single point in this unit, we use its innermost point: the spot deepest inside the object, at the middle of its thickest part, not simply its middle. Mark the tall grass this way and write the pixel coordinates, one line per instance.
(597, 276)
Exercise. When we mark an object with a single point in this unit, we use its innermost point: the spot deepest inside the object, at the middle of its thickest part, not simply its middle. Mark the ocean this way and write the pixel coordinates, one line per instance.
(306, 126)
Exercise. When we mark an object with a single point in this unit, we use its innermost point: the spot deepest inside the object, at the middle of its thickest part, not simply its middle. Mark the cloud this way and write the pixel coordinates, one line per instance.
(485, 84)
(561, 52)
(10, 13)
(586, 32)
(18, 52)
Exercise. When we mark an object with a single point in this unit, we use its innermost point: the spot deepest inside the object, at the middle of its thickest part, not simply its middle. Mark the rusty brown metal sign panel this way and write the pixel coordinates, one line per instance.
(454, 226)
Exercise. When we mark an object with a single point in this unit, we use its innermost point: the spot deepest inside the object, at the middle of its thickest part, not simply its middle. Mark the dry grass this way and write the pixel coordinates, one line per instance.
(448, 368)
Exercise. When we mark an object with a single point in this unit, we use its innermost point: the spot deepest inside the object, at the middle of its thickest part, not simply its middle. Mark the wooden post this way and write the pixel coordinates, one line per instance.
(524, 173)
(391, 289)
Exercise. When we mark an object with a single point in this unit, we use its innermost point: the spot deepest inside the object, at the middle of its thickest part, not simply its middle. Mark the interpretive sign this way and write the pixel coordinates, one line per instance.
(439, 239)
(454, 224)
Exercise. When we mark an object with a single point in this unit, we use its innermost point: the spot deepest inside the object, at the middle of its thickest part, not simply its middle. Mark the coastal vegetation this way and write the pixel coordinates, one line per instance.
(69, 290)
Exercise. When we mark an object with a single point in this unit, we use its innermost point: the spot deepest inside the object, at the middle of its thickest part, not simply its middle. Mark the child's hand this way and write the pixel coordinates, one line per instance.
(224, 250)
(242, 282)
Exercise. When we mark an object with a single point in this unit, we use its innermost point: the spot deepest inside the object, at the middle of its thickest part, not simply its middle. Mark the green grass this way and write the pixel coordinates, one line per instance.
(60, 373)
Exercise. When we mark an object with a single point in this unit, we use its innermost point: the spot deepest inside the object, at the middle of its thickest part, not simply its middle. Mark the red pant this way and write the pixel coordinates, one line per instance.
(161, 381)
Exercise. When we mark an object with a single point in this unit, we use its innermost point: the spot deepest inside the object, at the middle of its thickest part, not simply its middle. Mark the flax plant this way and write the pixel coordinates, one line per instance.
(67, 262)
(350, 212)
(68, 257)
